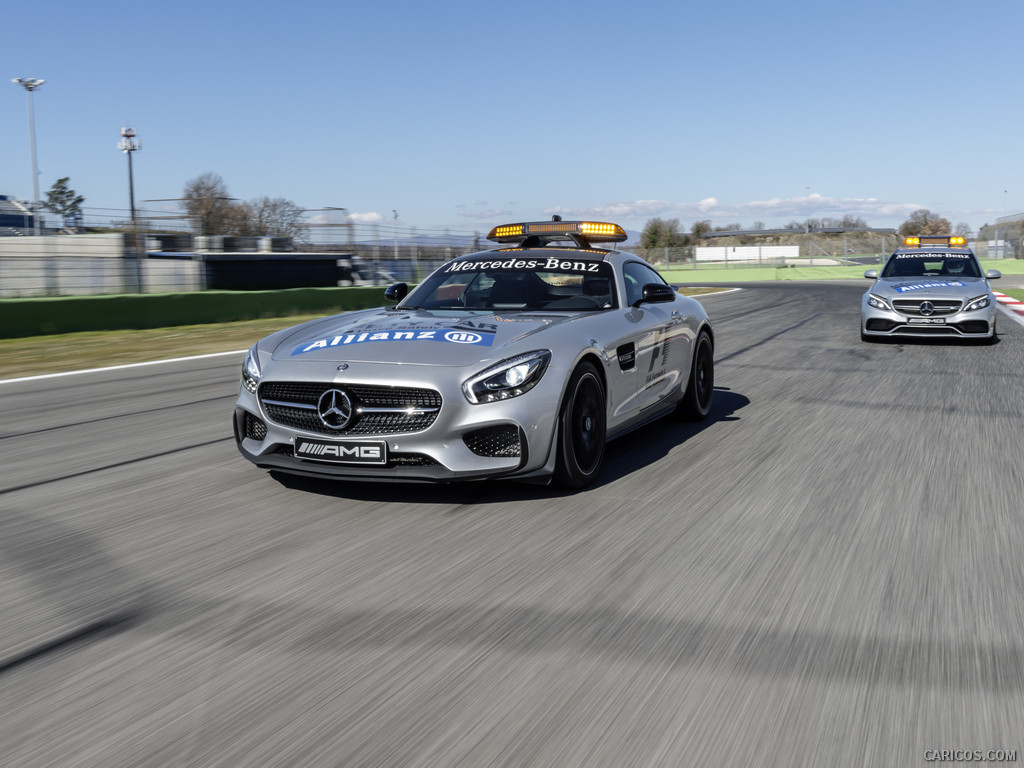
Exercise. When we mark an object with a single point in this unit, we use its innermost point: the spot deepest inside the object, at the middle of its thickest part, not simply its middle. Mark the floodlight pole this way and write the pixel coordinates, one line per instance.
(128, 144)
(394, 213)
(30, 84)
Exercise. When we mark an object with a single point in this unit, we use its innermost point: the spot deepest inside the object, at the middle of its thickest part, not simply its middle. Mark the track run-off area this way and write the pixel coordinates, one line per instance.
(828, 571)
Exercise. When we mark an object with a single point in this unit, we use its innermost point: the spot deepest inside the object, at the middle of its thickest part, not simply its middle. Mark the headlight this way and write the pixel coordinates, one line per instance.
(878, 302)
(977, 303)
(509, 378)
(251, 370)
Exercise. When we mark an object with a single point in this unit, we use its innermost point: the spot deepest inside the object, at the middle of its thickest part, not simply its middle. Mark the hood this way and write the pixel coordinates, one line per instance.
(932, 287)
(415, 337)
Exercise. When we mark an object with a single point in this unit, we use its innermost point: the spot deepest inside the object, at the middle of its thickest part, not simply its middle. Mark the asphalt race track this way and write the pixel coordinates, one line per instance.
(828, 572)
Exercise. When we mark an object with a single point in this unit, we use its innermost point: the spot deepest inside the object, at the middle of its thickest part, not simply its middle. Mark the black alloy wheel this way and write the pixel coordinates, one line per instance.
(700, 389)
(581, 429)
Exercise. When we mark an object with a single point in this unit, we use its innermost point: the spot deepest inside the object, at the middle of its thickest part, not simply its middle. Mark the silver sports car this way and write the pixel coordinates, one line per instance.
(518, 362)
(932, 286)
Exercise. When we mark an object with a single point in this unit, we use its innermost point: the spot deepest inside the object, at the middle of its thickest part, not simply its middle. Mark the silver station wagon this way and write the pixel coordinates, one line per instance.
(932, 286)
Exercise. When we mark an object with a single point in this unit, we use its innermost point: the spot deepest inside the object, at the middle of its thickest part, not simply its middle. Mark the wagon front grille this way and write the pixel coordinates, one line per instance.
(912, 307)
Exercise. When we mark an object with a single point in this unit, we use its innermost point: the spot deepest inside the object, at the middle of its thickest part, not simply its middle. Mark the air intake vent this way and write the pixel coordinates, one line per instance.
(499, 441)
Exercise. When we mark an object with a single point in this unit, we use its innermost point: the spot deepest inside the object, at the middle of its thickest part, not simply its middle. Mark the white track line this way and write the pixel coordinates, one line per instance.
(121, 367)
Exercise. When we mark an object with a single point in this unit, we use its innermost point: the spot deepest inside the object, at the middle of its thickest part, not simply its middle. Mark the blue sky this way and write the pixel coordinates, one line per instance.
(464, 115)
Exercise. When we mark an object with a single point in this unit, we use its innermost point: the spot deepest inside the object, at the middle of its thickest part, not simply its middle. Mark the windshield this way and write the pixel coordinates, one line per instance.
(931, 265)
(525, 284)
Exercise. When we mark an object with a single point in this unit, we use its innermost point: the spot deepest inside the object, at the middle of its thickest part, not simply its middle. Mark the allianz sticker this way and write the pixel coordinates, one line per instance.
(450, 336)
(918, 286)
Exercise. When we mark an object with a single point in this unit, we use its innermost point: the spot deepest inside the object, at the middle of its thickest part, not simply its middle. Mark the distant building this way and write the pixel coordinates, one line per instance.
(14, 215)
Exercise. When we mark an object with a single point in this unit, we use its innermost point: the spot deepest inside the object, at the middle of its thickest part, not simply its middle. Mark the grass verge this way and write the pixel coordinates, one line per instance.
(36, 355)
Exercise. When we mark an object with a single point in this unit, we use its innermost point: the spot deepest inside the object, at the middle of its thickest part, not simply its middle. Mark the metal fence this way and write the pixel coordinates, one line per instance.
(79, 265)
(65, 263)
(793, 251)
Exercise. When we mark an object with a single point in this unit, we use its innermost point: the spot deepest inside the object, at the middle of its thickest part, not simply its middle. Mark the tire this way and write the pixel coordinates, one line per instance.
(700, 388)
(582, 426)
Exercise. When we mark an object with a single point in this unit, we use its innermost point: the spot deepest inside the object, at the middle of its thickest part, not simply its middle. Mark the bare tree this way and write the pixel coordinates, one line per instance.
(662, 233)
(209, 207)
(924, 222)
(275, 216)
(699, 228)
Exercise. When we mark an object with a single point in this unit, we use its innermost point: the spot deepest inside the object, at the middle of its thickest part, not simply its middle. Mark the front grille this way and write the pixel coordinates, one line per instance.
(502, 440)
(411, 460)
(403, 409)
(254, 428)
(912, 307)
(933, 330)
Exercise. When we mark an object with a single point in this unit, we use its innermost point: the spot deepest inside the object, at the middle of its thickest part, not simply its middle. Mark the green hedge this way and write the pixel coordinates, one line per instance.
(41, 316)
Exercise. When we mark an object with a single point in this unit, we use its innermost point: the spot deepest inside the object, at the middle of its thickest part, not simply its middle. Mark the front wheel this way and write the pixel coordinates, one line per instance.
(700, 388)
(581, 429)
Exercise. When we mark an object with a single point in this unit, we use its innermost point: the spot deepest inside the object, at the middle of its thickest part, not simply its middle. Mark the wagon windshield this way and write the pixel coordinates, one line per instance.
(518, 284)
(931, 265)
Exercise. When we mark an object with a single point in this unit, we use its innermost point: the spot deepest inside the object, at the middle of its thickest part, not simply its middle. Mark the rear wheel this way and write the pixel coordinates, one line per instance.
(700, 389)
(581, 429)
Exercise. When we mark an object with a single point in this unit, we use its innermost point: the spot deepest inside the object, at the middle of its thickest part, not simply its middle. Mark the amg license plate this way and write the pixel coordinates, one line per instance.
(926, 320)
(362, 452)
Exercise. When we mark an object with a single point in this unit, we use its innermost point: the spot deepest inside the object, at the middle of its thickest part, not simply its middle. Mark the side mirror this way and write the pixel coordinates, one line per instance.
(396, 292)
(871, 274)
(993, 274)
(656, 293)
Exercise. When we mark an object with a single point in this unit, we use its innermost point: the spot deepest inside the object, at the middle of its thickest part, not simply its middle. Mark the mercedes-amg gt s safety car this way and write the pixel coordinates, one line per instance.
(931, 286)
(518, 362)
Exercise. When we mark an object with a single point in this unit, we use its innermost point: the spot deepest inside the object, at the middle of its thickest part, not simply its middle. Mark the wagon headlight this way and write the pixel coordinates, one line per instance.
(509, 378)
(977, 303)
(251, 370)
(878, 302)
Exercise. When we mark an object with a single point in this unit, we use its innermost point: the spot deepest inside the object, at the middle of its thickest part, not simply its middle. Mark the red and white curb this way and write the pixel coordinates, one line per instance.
(1014, 306)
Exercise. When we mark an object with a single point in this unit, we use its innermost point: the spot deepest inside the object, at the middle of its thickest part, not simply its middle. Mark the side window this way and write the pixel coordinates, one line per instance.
(637, 275)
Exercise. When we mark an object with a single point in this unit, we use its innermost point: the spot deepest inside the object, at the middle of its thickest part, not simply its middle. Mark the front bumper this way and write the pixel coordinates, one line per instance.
(977, 324)
(466, 441)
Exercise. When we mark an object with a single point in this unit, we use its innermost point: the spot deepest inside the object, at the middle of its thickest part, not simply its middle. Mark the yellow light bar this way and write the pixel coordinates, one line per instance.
(593, 231)
(509, 230)
(948, 241)
(592, 228)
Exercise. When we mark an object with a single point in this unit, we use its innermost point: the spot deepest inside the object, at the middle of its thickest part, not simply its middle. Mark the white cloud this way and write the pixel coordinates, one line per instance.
(371, 217)
(332, 218)
(875, 212)
(490, 215)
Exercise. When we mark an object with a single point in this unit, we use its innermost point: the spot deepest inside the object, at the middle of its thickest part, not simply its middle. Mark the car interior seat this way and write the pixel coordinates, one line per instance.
(508, 291)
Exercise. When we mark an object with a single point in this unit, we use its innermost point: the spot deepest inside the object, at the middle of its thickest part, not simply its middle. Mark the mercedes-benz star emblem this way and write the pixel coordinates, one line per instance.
(335, 409)
(927, 308)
